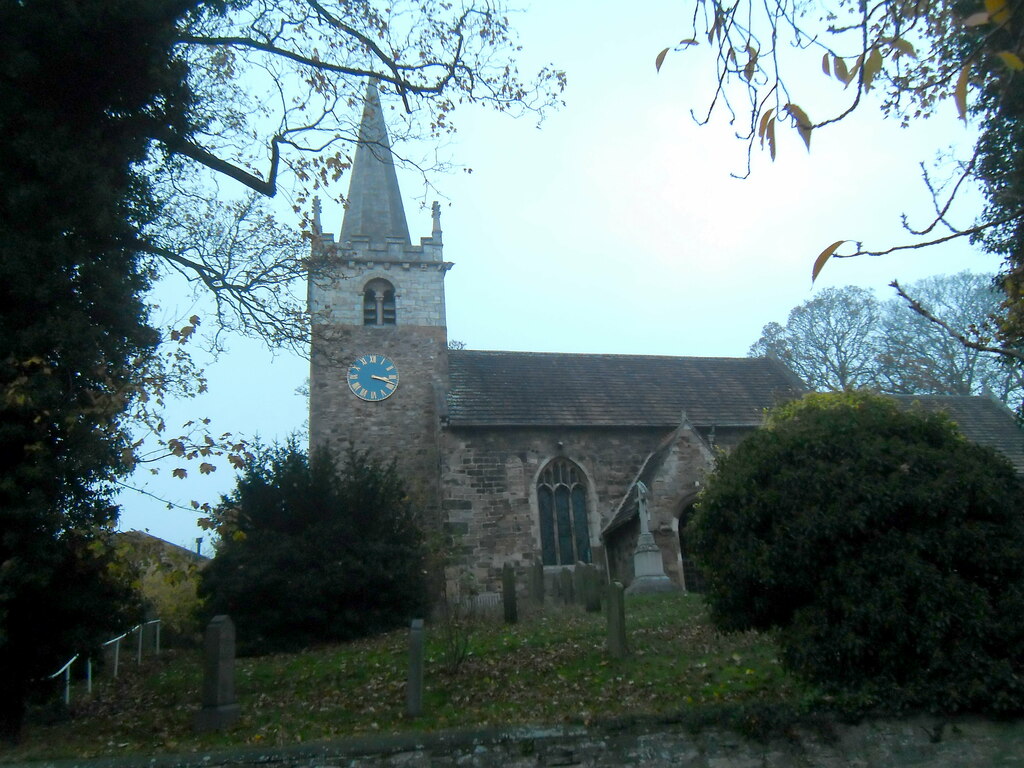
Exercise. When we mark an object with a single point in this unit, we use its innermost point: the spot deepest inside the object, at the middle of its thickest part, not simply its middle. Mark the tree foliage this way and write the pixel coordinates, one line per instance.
(130, 130)
(167, 578)
(828, 341)
(911, 56)
(74, 323)
(275, 89)
(315, 554)
(845, 338)
(886, 549)
(919, 356)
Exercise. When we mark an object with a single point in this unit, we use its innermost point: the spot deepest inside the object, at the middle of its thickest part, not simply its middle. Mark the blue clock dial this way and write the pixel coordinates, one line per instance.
(373, 377)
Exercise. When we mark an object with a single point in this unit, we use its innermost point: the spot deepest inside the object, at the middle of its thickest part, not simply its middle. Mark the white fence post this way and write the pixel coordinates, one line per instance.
(116, 642)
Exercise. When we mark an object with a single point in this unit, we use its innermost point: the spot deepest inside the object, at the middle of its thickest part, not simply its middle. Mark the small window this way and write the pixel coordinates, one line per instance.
(562, 504)
(379, 303)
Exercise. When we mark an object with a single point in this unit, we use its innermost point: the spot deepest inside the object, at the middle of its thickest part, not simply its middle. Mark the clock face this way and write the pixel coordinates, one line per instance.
(373, 377)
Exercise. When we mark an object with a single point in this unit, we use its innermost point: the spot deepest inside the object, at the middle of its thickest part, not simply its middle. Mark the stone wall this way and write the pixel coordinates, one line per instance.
(419, 292)
(489, 478)
(621, 547)
(404, 426)
(340, 272)
(724, 438)
(912, 743)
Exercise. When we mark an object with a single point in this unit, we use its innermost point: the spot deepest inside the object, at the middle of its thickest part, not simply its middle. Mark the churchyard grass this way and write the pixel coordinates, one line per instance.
(551, 667)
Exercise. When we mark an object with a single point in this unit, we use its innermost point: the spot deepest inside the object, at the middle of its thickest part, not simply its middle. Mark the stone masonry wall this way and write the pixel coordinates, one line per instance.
(342, 270)
(404, 426)
(912, 743)
(488, 485)
(681, 475)
(677, 478)
(419, 292)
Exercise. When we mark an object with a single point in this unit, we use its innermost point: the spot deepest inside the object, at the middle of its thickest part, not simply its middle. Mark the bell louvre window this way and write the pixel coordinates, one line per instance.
(379, 303)
(562, 504)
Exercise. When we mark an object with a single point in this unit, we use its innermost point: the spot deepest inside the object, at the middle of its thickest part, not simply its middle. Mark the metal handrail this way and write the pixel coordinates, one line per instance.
(66, 669)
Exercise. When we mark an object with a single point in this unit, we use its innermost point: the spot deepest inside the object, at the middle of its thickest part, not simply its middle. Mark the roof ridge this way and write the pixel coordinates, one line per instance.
(623, 355)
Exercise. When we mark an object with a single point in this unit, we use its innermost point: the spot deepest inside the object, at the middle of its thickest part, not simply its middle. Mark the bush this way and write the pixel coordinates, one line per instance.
(72, 594)
(887, 549)
(168, 580)
(315, 551)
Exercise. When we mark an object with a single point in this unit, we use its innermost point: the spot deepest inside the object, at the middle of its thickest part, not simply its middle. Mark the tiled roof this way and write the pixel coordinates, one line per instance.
(540, 388)
(147, 546)
(982, 419)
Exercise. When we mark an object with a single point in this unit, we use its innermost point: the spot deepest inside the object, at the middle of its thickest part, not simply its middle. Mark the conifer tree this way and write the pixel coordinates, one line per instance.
(315, 550)
(113, 116)
(74, 118)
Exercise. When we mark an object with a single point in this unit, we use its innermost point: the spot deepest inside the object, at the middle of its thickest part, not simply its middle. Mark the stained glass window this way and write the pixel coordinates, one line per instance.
(562, 505)
(545, 503)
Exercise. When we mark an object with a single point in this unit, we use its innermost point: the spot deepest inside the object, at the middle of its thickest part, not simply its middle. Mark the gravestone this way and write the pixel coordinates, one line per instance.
(593, 581)
(579, 583)
(537, 582)
(648, 568)
(508, 594)
(616, 621)
(220, 709)
(565, 586)
(414, 686)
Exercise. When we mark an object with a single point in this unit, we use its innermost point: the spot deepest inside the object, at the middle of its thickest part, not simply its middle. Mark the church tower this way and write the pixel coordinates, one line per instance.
(379, 343)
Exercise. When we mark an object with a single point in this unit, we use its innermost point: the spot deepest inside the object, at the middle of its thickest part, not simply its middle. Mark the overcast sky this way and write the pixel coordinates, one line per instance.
(615, 227)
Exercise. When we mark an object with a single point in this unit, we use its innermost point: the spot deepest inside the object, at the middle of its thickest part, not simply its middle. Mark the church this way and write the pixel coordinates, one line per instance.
(519, 457)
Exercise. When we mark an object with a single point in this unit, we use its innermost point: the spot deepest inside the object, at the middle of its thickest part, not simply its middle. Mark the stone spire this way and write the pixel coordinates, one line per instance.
(374, 200)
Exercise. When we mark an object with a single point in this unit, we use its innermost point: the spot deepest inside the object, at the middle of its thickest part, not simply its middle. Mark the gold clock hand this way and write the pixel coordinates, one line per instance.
(380, 378)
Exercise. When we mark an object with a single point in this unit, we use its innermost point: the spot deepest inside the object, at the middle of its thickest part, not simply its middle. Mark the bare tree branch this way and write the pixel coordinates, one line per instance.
(267, 187)
(278, 88)
(923, 311)
(970, 231)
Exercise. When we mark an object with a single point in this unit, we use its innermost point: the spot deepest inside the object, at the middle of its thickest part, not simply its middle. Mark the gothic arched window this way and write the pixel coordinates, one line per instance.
(379, 303)
(562, 504)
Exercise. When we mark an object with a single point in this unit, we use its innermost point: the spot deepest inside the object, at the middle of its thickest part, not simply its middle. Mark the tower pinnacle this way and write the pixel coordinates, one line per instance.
(375, 208)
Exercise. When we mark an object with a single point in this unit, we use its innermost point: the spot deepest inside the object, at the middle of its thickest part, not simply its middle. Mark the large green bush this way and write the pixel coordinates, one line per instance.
(315, 550)
(886, 549)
